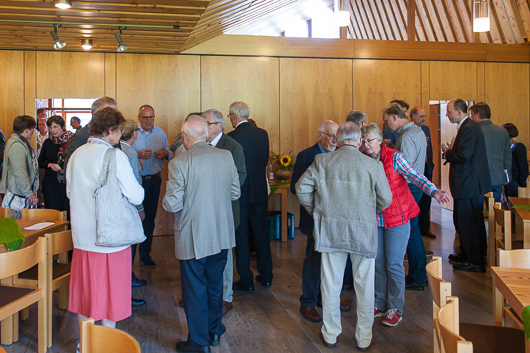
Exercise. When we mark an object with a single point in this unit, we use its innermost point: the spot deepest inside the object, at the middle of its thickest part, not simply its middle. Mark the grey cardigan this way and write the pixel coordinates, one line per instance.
(19, 171)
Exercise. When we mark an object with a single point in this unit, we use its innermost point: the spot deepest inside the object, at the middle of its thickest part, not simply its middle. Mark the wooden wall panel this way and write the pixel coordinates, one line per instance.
(254, 81)
(12, 102)
(311, 91)
(377, 82)
(507, 93)
(110, 74)
(70, 75)
(171, 85)
(450, 80)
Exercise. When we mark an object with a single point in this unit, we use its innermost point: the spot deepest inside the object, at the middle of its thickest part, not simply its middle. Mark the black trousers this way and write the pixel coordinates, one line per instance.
(469, 220)
(254, 216)
(424, 218)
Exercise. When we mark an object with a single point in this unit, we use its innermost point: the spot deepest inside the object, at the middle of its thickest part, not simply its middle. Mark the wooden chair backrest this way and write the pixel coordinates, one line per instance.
(503, 227)
(97, 339)
(14, 262)
(448, 323)
(5, 213)
(43, 214)
(514, 258)
(523, 192)
(60, 242)
(440, 288)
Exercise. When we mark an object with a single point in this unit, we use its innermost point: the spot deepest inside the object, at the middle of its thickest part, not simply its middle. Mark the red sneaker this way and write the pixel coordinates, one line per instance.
(392, 318)
(378, 313)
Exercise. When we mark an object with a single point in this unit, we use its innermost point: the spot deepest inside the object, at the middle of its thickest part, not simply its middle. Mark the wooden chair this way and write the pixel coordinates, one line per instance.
(43, 214)
(523, 192)
(492, 248)
(486, 338)
(5, 212)
(516, 259)
(440, 290)
(446, 326)
(14, 298)
(487, 197)
(58, 273)
(503, 227)
(97, 339)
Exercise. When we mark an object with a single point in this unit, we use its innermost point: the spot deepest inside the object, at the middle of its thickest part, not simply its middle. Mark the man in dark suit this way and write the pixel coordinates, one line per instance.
(469, 180)
(253, 201)
(418, 116)
(327, 142)
(216, 126)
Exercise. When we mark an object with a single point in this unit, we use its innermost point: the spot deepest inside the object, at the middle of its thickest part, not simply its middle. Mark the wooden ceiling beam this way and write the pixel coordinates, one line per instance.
(456, 24)
(508, 22)
(377, 19)
(446, 26)
(411, 20)
(398, 19)
(439, 35)
(425, 21)
(371, 20)
(524, 12)
(358, 18)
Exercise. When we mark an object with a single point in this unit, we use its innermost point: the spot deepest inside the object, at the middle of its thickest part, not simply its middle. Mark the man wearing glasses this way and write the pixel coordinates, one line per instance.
(152, 149)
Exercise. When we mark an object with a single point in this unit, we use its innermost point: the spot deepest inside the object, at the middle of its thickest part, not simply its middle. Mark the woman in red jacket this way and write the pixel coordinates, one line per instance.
(393, 224)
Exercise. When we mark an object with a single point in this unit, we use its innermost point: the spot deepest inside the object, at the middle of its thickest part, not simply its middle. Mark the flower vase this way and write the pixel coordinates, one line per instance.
(283, 175)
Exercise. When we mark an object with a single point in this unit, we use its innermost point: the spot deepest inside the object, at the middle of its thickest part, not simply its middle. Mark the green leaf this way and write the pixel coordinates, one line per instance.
(526, 322)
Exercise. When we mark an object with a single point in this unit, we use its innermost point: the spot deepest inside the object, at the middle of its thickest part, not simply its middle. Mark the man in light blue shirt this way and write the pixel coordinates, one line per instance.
(152, 149)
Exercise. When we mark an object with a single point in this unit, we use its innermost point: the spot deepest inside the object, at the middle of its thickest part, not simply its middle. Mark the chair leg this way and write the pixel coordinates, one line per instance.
(7, 330)
(42, 326)
(63, 297)
(24, 314)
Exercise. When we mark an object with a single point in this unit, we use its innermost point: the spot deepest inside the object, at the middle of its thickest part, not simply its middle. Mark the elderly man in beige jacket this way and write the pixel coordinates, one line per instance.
(343, 190)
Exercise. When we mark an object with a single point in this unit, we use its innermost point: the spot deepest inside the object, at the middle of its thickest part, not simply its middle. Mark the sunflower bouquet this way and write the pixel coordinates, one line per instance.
(284, 161)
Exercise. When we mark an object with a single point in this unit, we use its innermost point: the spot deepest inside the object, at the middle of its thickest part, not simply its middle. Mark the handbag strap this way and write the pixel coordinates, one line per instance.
(109, 166)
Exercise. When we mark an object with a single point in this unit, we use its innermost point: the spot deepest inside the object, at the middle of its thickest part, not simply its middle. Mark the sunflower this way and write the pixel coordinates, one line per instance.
(285, 160)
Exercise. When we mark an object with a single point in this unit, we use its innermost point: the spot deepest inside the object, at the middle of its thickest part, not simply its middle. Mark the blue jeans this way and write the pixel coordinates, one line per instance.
(389, 270)
(416, 248)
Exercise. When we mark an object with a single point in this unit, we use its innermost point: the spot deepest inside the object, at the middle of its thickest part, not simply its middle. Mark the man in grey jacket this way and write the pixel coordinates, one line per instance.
(343, 190)
(498, 147)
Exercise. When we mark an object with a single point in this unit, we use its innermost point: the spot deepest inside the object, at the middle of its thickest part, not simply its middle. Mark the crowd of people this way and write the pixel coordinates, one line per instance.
(365, 196)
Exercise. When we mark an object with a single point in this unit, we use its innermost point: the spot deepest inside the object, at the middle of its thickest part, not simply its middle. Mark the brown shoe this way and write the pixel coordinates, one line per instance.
(227, 306)
(310, 313)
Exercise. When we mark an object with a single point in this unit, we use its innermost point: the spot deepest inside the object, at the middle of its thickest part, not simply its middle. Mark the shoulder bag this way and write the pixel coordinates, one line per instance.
(117, 220)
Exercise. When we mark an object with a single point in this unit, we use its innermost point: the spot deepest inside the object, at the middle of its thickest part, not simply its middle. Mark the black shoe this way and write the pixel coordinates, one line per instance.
(185, 347)
(215, 340)
(468, 267)
(458, 258)
(137, 302)
(412, 285)
(138, 282)
(428, 234)
(148, 263)
(242, 288)
(264, 283)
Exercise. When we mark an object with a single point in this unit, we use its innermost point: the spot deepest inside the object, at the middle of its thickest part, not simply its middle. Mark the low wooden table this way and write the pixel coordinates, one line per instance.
(511, 284)
(522, 218)
(9, 327)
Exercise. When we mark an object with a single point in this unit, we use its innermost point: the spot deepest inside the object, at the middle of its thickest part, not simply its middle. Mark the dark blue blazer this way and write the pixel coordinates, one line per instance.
(304, 159)
(469, 175)
(255, 143)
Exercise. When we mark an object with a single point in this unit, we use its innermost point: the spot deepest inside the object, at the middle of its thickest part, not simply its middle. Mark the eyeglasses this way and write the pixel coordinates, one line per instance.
(228, 116)
(217, 122)
(148, 117)
(333, 137)
(369, 141)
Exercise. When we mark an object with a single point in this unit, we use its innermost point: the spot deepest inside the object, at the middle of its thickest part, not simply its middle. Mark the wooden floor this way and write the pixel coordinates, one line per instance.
(269, 320)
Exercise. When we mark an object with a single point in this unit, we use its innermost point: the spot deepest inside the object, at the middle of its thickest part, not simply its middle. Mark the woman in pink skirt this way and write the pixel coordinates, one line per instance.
(100, 284)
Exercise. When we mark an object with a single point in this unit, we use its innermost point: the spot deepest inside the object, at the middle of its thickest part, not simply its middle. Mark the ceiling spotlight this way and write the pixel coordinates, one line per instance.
(86, 44)
(63, 4)
(121, 46)
(59, 44)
